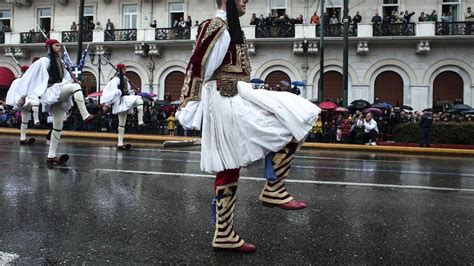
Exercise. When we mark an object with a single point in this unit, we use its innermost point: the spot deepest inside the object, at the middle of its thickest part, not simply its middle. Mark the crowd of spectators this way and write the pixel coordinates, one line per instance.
(366, 128)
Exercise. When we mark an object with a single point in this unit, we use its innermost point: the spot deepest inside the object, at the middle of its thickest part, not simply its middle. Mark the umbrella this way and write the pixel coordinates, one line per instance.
(468, 112)
(406, 107)
(327, 105)
(341, 110)
(372, 110)
(95, 94)
(461, 107)
(382, 105)
(443, 103)
(360, 104)
(257, 81)
(431, 110)
(298, 83)
(146, 95)
(285, 82)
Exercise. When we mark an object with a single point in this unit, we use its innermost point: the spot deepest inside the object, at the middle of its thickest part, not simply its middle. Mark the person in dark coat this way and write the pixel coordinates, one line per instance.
(425, 127)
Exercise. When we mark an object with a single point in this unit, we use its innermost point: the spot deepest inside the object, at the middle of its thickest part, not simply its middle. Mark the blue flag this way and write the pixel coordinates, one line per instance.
(78, 69)
(67, 59)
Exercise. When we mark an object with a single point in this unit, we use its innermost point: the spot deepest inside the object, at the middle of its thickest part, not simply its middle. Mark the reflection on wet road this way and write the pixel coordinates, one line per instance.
(151, 205)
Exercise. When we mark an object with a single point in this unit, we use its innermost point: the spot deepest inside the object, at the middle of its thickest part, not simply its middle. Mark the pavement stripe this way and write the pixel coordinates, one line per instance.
(7, 258)
(291, 180)
(293, 166)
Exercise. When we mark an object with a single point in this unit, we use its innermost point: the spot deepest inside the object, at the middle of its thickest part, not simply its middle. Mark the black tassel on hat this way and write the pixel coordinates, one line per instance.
(233, 21)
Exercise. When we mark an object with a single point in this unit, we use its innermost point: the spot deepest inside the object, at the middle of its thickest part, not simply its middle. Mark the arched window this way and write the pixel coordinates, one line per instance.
(173, 84)
(449, 86)
(276, 77)
(389, 88)
(135, 79)
(332, 88)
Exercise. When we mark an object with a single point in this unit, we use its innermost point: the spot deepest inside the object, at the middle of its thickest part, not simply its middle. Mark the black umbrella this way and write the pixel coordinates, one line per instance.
(461, 107)
(382, 105)
(468, 112)
(406, 107)
(359, 104)
(431, 110)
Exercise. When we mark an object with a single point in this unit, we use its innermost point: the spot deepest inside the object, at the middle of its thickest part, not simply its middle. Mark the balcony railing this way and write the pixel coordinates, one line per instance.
(275, 31)
(120, 35)
(33, 37)
(173, 33)
(337, 30)
(454, 28)
(73, 36)
(2, 37)
(394, 29)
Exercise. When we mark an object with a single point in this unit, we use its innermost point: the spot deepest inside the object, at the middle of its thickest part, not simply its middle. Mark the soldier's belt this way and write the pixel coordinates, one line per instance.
(227, 88)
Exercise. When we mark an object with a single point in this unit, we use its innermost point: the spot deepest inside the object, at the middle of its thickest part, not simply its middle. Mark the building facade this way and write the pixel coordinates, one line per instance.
(416, 63)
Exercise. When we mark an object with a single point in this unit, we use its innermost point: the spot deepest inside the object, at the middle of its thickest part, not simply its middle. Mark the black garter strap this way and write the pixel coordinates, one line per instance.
(24, 123)
(139, 105)
(57, 130)
(77, 91)
(121, 126)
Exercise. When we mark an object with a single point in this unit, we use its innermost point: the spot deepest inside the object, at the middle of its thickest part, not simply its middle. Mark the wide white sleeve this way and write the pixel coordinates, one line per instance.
(35, 80)
(215, 58)
(111, 92)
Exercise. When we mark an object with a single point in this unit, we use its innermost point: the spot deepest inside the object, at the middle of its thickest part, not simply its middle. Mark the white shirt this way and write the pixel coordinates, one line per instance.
(215, 58)
(370, 125)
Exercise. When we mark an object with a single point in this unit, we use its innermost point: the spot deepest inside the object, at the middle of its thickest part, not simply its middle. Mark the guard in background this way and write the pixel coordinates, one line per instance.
(119, 94)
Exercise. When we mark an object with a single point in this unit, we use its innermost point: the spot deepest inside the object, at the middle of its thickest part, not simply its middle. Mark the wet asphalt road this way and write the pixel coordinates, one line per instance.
(151, 205)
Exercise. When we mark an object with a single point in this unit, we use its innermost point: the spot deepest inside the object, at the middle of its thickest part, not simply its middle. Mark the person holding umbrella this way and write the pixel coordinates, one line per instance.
(425, 127)
(120, 96)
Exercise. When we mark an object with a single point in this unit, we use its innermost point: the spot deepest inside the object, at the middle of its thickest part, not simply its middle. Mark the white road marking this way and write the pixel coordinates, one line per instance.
(290, 180)
(7, 258)
(293, 166)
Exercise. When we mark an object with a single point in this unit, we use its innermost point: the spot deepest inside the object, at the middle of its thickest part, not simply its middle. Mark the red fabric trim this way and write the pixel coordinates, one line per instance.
(226, 177)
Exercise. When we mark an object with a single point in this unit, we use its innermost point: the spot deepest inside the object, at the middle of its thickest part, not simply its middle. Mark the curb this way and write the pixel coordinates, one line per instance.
(310, 145)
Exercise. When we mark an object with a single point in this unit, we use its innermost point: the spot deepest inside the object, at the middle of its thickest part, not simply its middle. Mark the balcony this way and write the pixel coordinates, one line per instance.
(394, 29)
(275, 31)
(2, 37)
(337, 30)
(172, 34)
(73, 36)
(120, 35)
(454, 28)
(33, 37)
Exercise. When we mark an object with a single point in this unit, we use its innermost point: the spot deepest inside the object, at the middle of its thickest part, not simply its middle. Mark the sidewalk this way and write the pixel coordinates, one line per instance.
(311, 145)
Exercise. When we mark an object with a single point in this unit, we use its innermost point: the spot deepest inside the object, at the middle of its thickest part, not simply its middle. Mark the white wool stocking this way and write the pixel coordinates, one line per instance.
(58, 118)
(25, 117)
(76, 91)
(139, 105)
(121, 128)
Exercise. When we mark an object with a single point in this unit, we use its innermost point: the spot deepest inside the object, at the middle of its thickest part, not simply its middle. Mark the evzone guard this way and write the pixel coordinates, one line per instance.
(49, 80)
(25, 105)
(240, 125)
(119, 94)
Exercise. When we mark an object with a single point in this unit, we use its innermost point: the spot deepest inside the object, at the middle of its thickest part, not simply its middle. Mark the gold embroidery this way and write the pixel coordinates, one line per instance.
(228, 88)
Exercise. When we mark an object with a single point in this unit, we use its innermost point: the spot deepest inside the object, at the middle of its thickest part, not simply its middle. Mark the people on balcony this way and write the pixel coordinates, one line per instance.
(376, 18)
(254, 20)
(333, 19)
(422, 17)
(315, 20)
(357, 18)
(98, 27)
(109, 25)
(469, 18)
(433, 16)
(153, 24)
(189, 22)
(73, 26)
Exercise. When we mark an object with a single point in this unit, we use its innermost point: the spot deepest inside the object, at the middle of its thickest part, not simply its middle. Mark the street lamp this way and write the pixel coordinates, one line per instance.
(99, 63)
(305, 67)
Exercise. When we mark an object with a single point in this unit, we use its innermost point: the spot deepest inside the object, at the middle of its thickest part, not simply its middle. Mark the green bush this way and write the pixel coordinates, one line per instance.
(441, 133)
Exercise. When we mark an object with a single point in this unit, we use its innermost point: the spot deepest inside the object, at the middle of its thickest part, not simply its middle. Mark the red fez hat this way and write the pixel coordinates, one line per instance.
(35, 59)
(120, 66)
(50, 42)
(24, 68)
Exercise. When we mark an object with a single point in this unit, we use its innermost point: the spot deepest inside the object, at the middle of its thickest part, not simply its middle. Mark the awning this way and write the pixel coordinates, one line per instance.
(6, 77)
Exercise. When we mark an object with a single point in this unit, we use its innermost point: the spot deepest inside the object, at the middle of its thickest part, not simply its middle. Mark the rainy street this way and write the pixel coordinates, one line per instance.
(152, 205)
